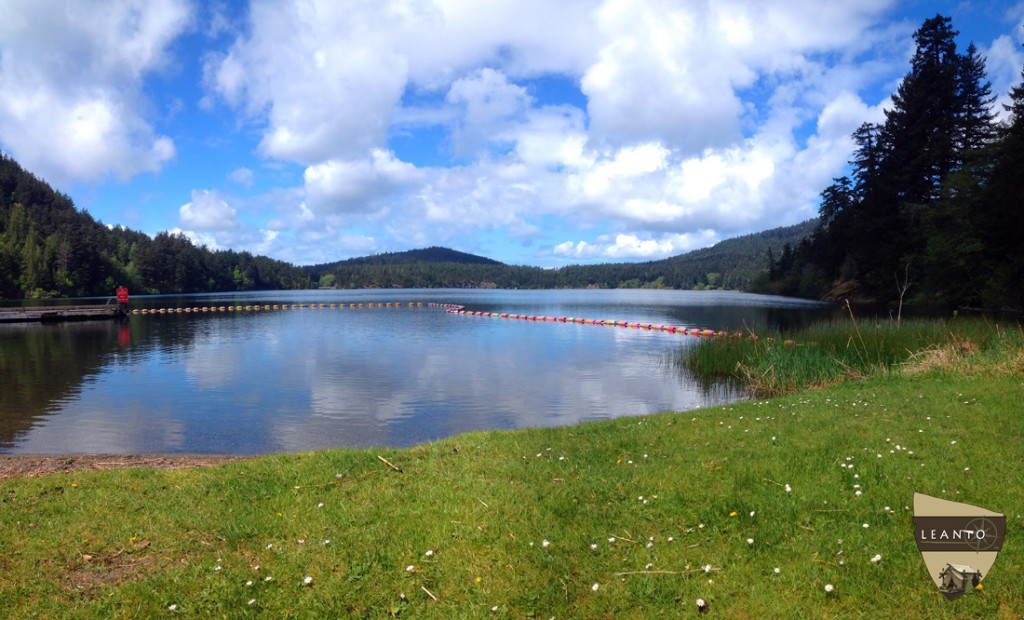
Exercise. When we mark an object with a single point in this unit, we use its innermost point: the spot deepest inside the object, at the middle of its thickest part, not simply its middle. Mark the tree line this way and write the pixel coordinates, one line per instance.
(931, 212)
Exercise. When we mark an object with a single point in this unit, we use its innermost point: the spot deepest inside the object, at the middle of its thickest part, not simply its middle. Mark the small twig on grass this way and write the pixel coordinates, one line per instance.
(832, 510)
(669, 572)
(390, 464)
(482, 502)
(778, 484)
(429, 593)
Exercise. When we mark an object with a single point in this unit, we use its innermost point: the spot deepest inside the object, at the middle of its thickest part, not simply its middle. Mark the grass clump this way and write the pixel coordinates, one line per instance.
(827, 353)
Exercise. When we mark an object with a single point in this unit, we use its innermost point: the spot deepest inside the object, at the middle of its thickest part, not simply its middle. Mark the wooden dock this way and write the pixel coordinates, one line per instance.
(49, 314)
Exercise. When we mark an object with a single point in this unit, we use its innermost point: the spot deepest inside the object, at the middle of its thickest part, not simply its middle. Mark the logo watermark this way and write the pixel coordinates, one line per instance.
(959, 542)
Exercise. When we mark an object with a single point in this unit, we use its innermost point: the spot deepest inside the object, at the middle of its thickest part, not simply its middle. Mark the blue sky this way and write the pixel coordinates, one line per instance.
(529, 131)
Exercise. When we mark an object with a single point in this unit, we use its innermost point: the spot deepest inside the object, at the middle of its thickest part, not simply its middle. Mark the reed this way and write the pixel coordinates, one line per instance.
(771, 364)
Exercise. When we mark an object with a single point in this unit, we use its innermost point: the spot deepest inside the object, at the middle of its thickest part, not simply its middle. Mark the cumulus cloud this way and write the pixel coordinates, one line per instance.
(626, 246)
(357, 185)
(207, 211)
(699, 120)
(75, 111)
(1004, 59)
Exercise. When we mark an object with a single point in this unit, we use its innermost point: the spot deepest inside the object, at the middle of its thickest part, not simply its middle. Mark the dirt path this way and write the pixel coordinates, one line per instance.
(17, 466)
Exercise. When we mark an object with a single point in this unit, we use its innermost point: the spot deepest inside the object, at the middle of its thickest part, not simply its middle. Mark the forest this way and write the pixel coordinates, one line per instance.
(931, 212)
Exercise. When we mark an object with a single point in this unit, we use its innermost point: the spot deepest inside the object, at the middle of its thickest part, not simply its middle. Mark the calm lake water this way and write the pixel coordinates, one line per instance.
(307, 379)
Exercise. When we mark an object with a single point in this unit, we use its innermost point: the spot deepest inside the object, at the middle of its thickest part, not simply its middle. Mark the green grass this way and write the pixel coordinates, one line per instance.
(131, 543)
(826, 353)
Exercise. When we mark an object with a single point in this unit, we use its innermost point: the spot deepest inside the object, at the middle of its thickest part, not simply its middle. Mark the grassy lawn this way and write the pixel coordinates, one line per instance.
(753, 507)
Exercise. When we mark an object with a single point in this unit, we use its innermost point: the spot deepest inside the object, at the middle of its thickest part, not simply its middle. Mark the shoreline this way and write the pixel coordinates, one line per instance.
(32, 465)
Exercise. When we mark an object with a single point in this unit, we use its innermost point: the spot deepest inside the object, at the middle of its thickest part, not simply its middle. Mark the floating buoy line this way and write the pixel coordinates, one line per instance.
(455, 309)
(266, 307)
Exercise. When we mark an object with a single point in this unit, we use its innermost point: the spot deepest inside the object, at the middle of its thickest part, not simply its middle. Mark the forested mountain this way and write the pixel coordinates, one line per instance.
(48, 248)
(733, 263)
(433, 254)
(934, 208)
(730, 264)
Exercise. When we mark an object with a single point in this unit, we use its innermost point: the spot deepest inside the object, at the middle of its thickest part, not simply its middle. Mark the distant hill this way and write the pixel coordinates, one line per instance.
(731, 264)
(740, 259)
(433, 254)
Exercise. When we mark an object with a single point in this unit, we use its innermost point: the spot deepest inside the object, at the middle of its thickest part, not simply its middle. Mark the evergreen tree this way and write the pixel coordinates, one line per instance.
(1001, 210)
(977, 118)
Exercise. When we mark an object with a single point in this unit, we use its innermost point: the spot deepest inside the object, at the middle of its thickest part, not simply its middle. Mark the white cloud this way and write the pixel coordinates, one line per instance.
(326, 79)
(629, 246)
(1004, 60)
(700, 121)
(242, 176)
(357, 185)
(489, 106)
(207, 211)
(75, 110)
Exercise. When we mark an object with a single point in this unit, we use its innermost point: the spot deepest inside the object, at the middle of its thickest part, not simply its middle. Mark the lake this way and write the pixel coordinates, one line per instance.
(257, 382)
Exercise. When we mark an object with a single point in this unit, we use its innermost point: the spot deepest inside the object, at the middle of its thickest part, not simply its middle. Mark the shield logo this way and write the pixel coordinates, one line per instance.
(959, 542)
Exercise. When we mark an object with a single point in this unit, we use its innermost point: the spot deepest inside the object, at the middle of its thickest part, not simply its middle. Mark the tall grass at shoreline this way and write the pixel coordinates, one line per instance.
(826, 353)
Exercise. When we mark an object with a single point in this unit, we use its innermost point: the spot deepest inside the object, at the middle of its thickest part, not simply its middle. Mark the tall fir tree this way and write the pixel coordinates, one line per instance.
(1001, 210)
(902, 169)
